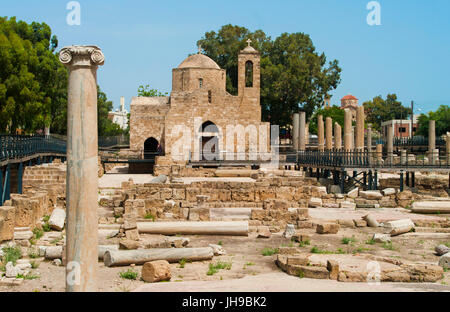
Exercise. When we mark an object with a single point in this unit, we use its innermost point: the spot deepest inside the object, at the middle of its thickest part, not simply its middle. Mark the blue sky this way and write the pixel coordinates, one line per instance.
(144, 39)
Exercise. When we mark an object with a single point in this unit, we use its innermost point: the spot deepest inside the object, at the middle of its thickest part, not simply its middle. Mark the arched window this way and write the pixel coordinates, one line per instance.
(209, 126)
(200, 83)
(249, 74)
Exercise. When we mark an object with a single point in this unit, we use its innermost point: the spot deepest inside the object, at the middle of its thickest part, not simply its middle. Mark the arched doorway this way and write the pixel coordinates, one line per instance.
(209, 141)
(150, 148)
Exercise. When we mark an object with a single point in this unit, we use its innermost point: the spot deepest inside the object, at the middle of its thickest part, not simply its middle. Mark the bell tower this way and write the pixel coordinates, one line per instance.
(249, 81)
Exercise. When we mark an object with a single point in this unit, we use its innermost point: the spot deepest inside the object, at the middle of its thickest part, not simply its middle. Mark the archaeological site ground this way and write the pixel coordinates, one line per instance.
(241, 178)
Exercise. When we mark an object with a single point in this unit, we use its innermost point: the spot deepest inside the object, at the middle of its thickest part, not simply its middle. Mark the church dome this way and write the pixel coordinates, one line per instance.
(199, 61)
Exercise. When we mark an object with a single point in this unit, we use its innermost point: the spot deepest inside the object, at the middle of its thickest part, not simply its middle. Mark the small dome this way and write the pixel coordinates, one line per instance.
(249, 49)
(198, 61)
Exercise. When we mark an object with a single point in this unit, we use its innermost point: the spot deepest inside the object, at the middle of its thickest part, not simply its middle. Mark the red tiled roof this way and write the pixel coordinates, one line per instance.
(349, 97)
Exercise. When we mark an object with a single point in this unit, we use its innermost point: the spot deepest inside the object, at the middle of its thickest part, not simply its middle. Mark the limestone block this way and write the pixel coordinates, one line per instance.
(128, 244)
(327, 228)
(315, 272)
(347, 205)
(441, 250)
(301, 237)
(12, 271)
(353, 193)
(156, 271)
(289, 231)
(23, 235)
(360, 223)
(304, 224)
(371, 195)
(7, 214)
(389, 191)
(132, 234)
(264, 232)
(333, 269)
(217, 249)
(424, 273)
(381, 238)
(297, 260)
(57, 219)
(315, 202)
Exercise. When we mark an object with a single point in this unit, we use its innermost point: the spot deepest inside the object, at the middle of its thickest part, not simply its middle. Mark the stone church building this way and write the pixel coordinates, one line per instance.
(198, 104)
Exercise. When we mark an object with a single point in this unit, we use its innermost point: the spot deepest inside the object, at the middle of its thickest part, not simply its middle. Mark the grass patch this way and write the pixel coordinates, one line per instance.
(38, 233)
(317, 250)
(220, 243)
(348, 240)
(129, 274)
(303, 244)
(11, 254)
(371, 241)
(447, 244)
(34, 264)
(269, 251)
(27, 277)
(301, 274)
(214, 268)
(149, 216)
(46, 218)
(182, 263)
(388, 246)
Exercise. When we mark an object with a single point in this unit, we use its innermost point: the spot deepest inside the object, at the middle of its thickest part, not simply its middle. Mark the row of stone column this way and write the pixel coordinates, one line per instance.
(325, 132)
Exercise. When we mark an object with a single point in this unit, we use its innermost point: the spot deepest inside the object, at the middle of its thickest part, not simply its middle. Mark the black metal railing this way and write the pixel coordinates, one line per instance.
(365, 159)
(113, 141)
(20, 146)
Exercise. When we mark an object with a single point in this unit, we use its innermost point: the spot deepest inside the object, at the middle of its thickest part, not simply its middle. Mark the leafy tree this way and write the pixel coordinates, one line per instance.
(335, 112)
(293, 75)
(149, 92)
(442, 118)
(105, 126)
(380, 110)
(32, 81)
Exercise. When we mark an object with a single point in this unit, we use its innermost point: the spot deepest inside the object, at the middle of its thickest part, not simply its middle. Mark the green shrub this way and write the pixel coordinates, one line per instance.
(11, 254)
(129, 274)
(182, 263)
(214, 268)
(149, 216)
(269, 251)
(348, 240)
(303, 244)
(38, 233)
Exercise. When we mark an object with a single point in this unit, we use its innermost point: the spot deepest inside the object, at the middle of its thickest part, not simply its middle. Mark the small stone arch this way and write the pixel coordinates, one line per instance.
(151, 148)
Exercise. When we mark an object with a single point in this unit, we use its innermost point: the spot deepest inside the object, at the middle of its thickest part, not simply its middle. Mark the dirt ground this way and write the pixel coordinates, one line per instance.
(244, 254)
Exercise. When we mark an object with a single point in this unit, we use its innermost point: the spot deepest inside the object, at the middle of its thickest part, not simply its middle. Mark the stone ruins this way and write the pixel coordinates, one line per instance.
(111, 230)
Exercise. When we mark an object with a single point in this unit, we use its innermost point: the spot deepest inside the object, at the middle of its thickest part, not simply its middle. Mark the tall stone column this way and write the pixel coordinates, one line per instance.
(82, 171)
(320, 133)
(307, 133)
(347, 130)
(369, 138)
(390, 144)
(447, 147)
(329, 133)
(379, 153)
(302, 132)
(359, 142)
(431, 140)
(337, 136)
(295, 128)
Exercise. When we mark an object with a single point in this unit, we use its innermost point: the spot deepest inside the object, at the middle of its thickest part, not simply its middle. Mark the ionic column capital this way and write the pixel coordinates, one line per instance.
(85, 56)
